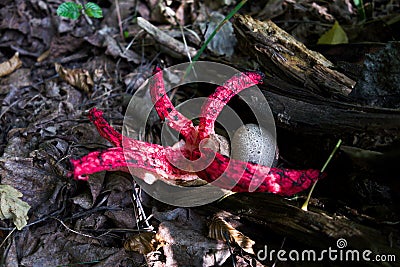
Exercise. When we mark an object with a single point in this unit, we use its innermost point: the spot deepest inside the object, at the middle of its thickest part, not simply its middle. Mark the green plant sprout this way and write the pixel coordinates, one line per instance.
(305, 205)
(73, 10)
(360, 9)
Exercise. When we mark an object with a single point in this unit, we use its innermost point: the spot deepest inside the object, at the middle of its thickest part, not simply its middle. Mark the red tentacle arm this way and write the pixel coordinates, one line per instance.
(165, 110)
(216, 102)
(118, 159)
(104, 129)
(144, 158)
(238, 176)
(223, 172)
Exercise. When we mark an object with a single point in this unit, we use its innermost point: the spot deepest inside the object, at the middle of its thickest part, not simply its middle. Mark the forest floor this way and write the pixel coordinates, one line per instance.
(102, 63)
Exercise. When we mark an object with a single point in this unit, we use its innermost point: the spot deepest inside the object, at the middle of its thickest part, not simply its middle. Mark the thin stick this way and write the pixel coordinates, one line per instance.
(72, 230)
(305, 205)
(121, 31)
(7, 237)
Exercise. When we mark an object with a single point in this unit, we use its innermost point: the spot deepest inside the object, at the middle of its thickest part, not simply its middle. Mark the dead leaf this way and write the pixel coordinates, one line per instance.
(224, 41)
(114, 49)
(79, 78)
(336, 35)
(122, 218)
(11, 207)
(162, 13)
(143, 243)
(36, 184)
(19, 78)
(51, 245)
(187, 247)
(10, 65)
(221, 230)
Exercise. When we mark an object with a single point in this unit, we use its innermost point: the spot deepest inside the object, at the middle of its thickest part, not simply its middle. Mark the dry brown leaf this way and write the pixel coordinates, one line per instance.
(10, 65)
(143, 243)
(79, 78)
(221, 230)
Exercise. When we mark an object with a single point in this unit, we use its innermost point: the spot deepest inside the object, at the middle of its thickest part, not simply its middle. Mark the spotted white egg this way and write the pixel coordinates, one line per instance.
(255, 144)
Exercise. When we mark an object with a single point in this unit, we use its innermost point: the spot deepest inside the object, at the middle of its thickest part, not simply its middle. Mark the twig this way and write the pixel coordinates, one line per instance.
(276, 260)
(7, 237)
(166, 40)
(227, 238)
(75, 232)
(140, 215)
(173, 92)
(88, 20)
(119, 19)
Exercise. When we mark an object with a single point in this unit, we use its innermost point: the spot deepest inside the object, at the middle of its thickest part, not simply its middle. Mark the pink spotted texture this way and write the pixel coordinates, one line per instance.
(166, 111)
(235, 175)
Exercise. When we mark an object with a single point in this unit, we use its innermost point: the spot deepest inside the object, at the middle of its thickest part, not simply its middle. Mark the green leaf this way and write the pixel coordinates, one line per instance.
(126, 34)
(360, 9)
(336, 35)
(11, 207)
(69, 10)
(93, 10)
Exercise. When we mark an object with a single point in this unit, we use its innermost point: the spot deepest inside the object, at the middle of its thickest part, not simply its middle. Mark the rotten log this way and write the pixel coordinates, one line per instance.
(302, 103)
(280, 53)
(311, 229)
(305, 92)
(317, 115)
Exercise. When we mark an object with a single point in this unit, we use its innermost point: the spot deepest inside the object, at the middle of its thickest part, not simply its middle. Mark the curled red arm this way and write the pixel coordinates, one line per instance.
(223, 172)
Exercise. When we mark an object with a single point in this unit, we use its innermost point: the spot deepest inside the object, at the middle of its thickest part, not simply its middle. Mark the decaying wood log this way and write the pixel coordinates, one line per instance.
(317, 115)
(280, 53)
(314, 229)
(305, 93)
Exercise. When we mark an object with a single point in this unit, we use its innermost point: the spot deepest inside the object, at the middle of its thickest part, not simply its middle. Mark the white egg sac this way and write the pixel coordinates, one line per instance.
(255, 144)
